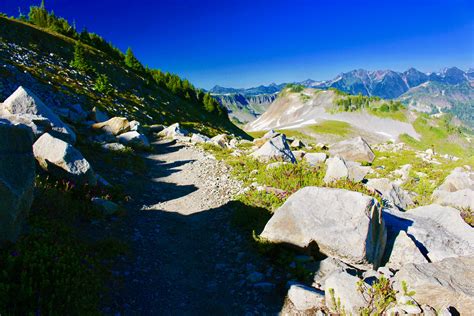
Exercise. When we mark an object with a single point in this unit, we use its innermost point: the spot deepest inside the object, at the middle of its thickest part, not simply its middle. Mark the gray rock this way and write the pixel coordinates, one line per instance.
(17, 176)
(404, 251)
(299, 154)
(336, 170)
(134, 139)
(107, 207)
(343, 224)
(38, 124)
(460, 199)
(438, 231)
(315, 159)
(305, 298)
(199, 138)
(325, 268)
(221, 140)
(356, 171)
(25, 102)
(156, 128)
(173, 131)
(274, 165)
(114, 126)
(134, 125)
(62, 160)
(271, 134)
(449, 282)
(343, 286)
(356, 149)
(391, 192)
(297, 144)
(276, 148)
(457, 189)
(113, 147)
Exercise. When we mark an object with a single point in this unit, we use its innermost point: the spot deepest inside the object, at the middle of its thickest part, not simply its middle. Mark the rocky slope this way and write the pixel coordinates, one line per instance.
(245, 108)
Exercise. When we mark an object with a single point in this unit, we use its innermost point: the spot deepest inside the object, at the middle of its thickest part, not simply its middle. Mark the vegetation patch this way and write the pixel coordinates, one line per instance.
(331, 127)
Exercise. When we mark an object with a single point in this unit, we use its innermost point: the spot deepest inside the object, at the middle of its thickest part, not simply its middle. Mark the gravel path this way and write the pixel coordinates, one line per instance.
(186, 257)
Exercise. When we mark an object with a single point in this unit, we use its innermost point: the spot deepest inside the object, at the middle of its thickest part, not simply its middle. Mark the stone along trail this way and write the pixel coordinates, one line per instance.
(186, 256)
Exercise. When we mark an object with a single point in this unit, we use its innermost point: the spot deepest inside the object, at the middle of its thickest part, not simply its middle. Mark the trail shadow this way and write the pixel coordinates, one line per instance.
(195, 264)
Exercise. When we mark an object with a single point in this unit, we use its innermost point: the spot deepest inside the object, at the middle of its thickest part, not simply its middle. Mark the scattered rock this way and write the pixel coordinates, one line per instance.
(114, 126)
(199, 138)
(297, 144)
(173, 131)
(457, 189)
(17, 177)
(276, 148)
(356, 149)
(342, 224)
(391, 192)
(315, 159)
(299, 154)
(356, 171)
(449, 282)
(325, 268)
(23, 101)
(134, 139)
(114, 147)
(305, 297)
(336, 170)
(221, 141)
(62, 160)
(156, 128)
(404, 251)
(134, 125)
(275, 165)
(98, 116)
(342, 286)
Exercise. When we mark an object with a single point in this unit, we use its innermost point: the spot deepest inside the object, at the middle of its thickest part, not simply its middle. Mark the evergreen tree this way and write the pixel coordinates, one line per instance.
(102, 84)
(132, 62)
(39, 15)
(79, 62)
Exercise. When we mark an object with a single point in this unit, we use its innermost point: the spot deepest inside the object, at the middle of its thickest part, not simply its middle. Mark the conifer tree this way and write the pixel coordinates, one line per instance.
(79, 62)
(132, 62)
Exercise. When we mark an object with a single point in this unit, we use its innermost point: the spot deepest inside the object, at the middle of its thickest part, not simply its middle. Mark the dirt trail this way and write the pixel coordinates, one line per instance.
(186, 257)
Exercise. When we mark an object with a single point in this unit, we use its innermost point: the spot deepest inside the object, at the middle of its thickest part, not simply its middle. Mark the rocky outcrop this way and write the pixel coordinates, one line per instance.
(26, 104)
(199, 138)
(275, 149)
(457, 189)
(17, 176)
(314, 159)
(341, 287)
(339, 169)
(391, 192)
(114, 126)
(173, 131)
(221, 141)
(438, 231)
(356, 149)
(449, 282)
(62, 160)
(339, 223)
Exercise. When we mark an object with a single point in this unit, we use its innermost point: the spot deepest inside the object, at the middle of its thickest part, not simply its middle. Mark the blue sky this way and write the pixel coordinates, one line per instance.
(246, 43)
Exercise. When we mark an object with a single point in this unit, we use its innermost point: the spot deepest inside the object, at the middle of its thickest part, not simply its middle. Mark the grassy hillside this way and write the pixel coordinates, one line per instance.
(39, 58)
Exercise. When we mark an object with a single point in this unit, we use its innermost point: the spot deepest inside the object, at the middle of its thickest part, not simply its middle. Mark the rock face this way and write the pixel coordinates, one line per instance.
(457, 189)
(391, 192)
(61, 159)
(342, 224)
(134, 139)
(25, 103)
(449, 282)
(38, 124)
(173, 131)
(98, 116)
(404, 251)
(356, 149)
(438, 231)
(276, 148)
(336, 169)
(304, 297)
(17, 175)
(114, 126)
(344, 288)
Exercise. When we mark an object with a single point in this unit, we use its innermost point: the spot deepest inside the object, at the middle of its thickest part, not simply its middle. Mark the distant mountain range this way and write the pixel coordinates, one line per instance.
(450, 90)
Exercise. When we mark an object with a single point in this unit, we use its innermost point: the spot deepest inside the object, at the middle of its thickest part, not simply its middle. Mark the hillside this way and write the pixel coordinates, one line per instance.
(40, 59)
(243, 109)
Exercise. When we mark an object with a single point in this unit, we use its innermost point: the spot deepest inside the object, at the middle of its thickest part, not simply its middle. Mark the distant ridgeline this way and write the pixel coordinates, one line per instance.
(117, 78)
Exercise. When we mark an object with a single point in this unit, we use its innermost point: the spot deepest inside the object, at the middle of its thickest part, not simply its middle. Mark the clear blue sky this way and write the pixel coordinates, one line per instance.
(245, 43)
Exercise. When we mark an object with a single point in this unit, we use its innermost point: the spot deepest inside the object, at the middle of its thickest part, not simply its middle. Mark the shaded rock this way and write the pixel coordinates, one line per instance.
(23, 101)
(299, 154)
(336, 170)
(199, 138)
(356, 171)
(305, 297)
(315, 159)
(76, 113)
(404, 251)
(356, 149)
(449, 282)
(297, 144)
(107, 207)
(343, 286)
(457, 189)
(342, 224)
(276, 148)
(221, 141)
(391, 192)
(98, 116)
(325, 268)
(62, 160)
(113, 147)
(438, 231)
(114, 126)
(17, 177)
(134, 139)
(38, 124)
(156, 128)
(173, 131)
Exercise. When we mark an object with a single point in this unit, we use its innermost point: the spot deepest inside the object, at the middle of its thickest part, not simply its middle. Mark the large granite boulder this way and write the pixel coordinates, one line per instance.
(356, 149)
(438, 231)
(38, 124)
(25, 103)
(339, 223)
(449, 282)
(221, 140)
(340, 169)
(134, 139)
(457, 189)
(341, 288)
(391, 192)
(275, 149)
(114, 126)
(173, 131)
(403, 251)
(199, 138)
(17, 176)
(62, 160)
(303, 298)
